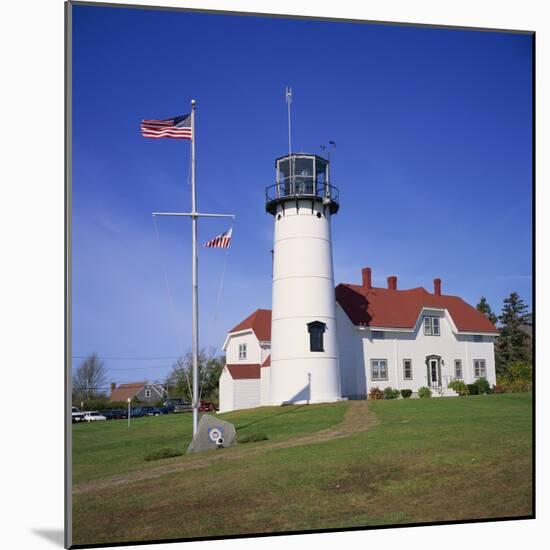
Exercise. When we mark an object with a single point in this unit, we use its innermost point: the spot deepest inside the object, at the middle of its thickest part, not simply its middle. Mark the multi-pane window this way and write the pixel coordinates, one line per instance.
(479, 368)
(431, 326)
(242, 351)
(377, 335)
(478, 338)
(147, 393)
(316, 330)
(407, 369)
(379, 369)
(458, 369)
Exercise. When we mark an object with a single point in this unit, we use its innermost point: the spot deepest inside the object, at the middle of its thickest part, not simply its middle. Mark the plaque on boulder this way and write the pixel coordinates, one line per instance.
(212, 434)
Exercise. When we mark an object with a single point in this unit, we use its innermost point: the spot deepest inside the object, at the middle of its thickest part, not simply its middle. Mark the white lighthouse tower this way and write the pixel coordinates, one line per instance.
(304, 350)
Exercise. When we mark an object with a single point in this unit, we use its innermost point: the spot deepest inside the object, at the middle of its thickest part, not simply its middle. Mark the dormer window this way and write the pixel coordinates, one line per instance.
(242, 351)
(431, 326)
(316, 330)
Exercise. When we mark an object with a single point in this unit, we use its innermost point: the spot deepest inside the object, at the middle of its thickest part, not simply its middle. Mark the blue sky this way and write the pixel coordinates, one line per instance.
(433, 162)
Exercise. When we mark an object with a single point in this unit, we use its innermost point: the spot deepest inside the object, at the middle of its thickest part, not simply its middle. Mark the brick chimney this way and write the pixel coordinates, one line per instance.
(113, 386)
(367, 277)
(437, 287)
(392, 282)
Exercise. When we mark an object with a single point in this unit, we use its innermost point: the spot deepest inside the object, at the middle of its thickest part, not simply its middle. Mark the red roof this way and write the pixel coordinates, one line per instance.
(123, 391)
(246, 371)
(267, 362)
(383, 307)
(259, 322)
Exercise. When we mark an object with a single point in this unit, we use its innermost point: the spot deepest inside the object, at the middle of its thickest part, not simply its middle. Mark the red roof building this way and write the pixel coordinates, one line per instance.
(259, 322)
(386, 337)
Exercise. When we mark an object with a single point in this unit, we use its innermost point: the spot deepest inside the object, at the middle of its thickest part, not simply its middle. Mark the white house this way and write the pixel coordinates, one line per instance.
(404, 339)
(320, 343)
(244, 382)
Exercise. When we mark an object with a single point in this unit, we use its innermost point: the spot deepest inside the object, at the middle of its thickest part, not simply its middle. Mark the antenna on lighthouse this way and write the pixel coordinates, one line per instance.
(288, 97)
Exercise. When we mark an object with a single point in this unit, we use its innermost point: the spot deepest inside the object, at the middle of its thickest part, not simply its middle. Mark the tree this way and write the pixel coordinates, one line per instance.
(512, 344)
(89, 379)
(485, 308)
(180, 379)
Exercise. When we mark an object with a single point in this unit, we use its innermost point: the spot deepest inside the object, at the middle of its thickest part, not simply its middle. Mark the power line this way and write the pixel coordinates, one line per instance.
(143, 368)
(129, 358)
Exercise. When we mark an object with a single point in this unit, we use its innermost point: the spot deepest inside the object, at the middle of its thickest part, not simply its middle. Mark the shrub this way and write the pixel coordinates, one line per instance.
(520, 372)
(101, 404)
(390, 393)
(424, 392)
(498, 388)
(406, 393)
(459, 387)
(376, 393)
(473, 389)
(518, 378)
(167, 452)
(249, 438)
(483, 385)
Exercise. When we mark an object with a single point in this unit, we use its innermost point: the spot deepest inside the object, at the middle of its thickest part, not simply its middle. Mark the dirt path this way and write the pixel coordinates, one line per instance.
(358, 418)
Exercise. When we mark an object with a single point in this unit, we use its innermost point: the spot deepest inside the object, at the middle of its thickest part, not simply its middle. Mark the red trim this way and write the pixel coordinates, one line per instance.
(244, 372)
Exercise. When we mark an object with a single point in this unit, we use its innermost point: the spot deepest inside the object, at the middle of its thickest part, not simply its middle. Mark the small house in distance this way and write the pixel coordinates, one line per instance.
(143, 391)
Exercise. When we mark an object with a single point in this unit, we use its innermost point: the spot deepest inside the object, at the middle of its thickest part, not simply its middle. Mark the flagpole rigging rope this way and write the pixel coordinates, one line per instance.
(168, 290)
(220, 286)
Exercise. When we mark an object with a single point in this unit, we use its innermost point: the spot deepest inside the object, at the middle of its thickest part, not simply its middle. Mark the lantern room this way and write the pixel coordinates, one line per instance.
(302, 176)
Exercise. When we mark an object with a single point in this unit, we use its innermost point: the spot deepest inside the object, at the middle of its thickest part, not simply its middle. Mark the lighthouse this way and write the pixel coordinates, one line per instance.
(304, 348)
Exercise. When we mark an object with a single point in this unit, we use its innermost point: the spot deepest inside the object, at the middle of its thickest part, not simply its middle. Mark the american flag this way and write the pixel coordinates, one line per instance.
(221, 241)
(178, 127)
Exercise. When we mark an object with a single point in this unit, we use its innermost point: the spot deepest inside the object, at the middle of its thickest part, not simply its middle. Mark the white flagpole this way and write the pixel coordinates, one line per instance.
(194, 215)
(195, 283)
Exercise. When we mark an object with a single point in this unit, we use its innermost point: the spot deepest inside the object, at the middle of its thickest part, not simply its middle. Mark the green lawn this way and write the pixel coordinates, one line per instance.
(103, 449)
(425, 460)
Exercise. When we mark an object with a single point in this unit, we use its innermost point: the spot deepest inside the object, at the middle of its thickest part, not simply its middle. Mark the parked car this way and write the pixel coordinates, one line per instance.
(150, 411)
(183, 408)
(136, 412)
(77, 416)
(113, 414)
(93, 416)
(206, 406)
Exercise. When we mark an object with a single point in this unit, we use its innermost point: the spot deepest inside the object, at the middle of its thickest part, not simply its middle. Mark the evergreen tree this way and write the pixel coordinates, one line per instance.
(512, 345)
(485, 308)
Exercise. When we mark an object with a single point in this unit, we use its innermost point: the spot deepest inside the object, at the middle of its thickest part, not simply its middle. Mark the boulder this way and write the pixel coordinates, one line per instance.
(212, 434)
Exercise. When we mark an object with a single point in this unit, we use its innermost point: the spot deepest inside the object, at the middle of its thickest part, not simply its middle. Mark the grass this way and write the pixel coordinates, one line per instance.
(426, 460)
(166, 452)
(104, 449)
